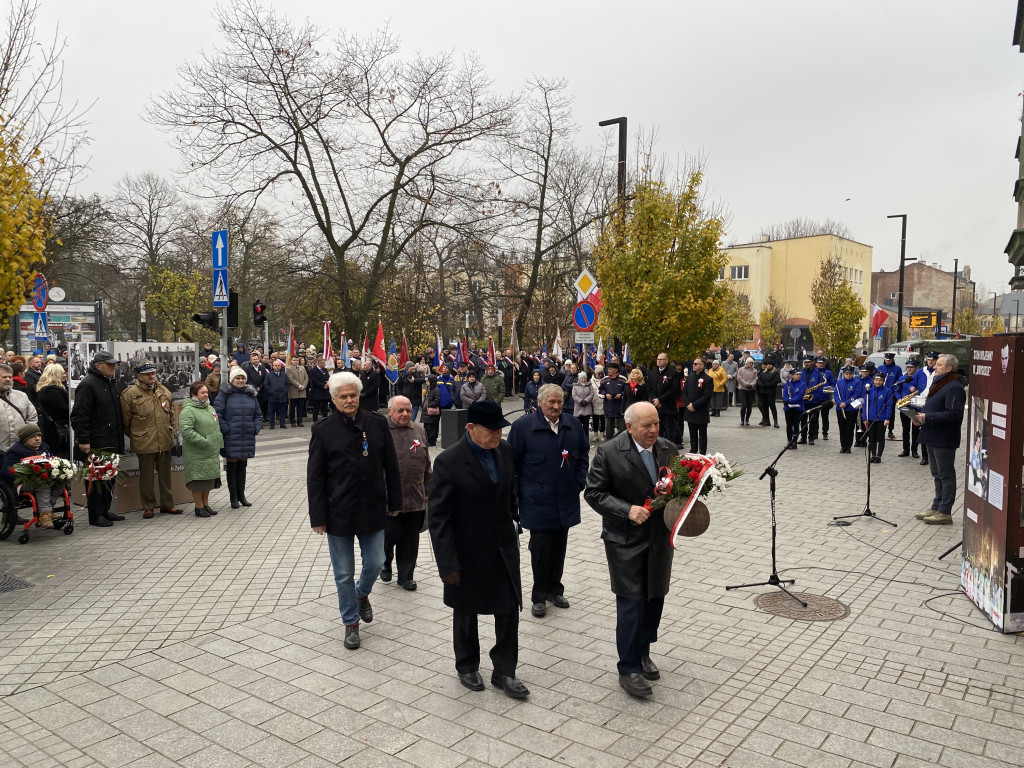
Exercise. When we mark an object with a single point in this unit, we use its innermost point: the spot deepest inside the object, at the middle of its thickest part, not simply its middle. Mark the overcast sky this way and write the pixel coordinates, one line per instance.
(801, 108)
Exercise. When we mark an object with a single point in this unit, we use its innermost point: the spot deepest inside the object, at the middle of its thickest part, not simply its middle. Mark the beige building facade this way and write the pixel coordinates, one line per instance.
(786, 268)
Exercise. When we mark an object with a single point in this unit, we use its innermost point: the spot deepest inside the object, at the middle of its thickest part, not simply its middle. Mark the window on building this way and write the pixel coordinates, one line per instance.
(721, 274)
(739, 272)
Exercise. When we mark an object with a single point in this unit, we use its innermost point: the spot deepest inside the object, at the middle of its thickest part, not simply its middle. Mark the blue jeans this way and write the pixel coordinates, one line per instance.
(415, 411)
(371, 550)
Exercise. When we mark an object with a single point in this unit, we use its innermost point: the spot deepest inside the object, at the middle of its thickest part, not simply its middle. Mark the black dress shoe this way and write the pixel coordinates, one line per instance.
(210, 510)
(539, 610)
(650, 669)
(100, 521)
(559, 601)
(365, 611)
(385, 574)
(472, 680)
(201, 512)
(114, 516)
(915, 454)
(512, 687)
(924, 462)
(408, 586)
(824, 437)
(903, 454)
(635, 685)
(352, 636)
(802, 441)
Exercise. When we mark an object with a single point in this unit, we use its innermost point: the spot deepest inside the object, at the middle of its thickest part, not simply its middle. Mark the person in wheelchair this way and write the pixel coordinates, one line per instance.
(30, 443)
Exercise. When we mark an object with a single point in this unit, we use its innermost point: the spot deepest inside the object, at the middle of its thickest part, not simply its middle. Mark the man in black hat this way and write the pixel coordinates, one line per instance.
(98, 426)
(848, 397)
(473, 529)
(822, 378)
(893, 373)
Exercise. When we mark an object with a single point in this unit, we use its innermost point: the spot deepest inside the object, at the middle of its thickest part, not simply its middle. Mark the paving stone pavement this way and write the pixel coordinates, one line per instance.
(194, 642)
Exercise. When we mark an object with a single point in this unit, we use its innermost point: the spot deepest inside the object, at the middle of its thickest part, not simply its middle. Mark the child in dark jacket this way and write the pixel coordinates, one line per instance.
(30, 443)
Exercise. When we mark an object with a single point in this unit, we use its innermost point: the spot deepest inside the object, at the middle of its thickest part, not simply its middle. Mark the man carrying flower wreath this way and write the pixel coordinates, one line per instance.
(97, 423)
(637, 545)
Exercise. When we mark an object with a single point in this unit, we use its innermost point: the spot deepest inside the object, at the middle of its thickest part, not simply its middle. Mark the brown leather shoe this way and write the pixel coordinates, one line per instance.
(171, 511)
(148, 514)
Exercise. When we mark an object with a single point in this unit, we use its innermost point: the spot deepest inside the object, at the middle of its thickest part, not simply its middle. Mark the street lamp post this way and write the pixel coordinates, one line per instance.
(621, 122)
(903, 261)
(952, 320)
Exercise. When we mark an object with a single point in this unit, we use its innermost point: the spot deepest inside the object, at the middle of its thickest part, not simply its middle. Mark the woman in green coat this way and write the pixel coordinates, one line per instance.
(201, 443)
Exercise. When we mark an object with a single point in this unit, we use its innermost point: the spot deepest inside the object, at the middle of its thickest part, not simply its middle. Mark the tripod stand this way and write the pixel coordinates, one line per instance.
(773, 578)
(867, 502)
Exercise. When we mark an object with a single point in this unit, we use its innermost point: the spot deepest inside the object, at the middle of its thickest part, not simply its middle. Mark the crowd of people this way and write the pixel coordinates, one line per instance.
(533, 481)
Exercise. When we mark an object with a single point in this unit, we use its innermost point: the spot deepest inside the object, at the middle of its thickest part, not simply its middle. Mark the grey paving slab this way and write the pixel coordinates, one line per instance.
(192, 642)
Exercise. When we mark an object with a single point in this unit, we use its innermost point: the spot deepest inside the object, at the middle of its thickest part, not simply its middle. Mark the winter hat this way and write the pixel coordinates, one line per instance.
(28, 430)
(238, 372)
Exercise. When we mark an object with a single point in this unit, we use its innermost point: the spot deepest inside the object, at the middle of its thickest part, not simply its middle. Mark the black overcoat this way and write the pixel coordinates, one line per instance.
(664, 385)
(698, 389)
(473, 530)
(350, 493)
(638, 555)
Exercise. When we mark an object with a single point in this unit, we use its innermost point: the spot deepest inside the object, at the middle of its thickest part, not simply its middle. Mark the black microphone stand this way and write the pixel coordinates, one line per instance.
(773, 578)
(867, 460)
(950, 550)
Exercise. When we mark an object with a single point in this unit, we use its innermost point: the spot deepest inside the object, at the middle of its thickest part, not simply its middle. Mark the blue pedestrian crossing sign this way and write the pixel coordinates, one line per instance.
(40, 329)
(220, 288)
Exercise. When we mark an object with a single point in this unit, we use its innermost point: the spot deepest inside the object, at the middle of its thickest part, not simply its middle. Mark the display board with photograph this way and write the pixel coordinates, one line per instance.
(992, 570)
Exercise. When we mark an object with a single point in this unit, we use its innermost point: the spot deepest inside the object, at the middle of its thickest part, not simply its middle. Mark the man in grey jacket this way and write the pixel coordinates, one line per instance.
(402, 527)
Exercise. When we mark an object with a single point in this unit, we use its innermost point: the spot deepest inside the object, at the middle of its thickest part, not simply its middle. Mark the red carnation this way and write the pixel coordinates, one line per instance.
(12, 470)
(36, 469)
(44, 475)
(694, 476)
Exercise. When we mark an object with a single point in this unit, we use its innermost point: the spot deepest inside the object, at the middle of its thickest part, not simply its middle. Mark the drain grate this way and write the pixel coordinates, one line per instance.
(10, 583)
(818, 608)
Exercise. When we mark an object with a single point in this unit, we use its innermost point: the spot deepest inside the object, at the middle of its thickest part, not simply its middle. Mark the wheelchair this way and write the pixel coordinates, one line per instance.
(13, 499)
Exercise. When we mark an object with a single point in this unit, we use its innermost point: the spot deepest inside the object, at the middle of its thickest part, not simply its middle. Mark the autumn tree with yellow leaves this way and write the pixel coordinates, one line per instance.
(23, 225)
(658, 263)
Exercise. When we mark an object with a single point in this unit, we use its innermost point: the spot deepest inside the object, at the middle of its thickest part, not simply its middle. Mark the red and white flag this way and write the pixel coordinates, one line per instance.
(366, 345)
(403, 355)
(291, 341)
(491, 359)
(328, 348)
(878, 318)
(378, 346)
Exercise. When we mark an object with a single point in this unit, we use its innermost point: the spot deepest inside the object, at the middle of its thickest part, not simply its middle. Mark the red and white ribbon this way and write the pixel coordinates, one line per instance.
(415, 444)
(565, 459)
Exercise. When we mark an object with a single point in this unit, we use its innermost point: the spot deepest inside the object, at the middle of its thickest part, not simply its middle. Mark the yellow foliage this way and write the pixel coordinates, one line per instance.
(23, 226)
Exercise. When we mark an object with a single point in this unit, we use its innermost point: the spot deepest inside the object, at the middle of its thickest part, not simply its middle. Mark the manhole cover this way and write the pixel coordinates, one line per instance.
(818, 608)
(9, 583)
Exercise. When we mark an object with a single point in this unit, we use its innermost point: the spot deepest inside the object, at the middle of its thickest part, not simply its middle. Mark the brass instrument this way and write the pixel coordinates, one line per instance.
(903, 402)
(827, 391)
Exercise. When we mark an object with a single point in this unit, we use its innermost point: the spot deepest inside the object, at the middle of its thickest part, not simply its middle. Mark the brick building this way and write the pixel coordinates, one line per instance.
(925, 286)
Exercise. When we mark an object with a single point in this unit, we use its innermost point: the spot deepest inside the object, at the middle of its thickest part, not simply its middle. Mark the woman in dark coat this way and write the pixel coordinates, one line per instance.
(431, 400)
(54, 409)
(636, 389)
(240, 421)
(530, 397)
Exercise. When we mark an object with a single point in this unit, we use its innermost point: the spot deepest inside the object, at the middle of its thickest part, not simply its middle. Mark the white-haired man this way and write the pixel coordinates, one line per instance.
(353, 482)
(621, 478)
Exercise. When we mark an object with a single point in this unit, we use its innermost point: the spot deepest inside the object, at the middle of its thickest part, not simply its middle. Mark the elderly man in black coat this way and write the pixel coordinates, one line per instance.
(353, 481)
(622, 477)
(663, 384)
(940, 422)
(474, 529)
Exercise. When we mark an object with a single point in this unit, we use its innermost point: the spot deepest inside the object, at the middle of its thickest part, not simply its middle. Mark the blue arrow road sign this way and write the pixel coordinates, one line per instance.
(220, 288)
(40, 330)
(219, 248)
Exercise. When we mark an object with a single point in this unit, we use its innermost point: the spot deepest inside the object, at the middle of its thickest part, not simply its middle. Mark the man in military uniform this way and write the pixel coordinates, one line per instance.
(892, 374)
(146, 414)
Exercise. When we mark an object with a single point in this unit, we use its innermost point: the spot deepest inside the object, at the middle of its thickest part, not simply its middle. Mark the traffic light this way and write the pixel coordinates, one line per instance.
(259, 313)
(232, 309)
(209, 320)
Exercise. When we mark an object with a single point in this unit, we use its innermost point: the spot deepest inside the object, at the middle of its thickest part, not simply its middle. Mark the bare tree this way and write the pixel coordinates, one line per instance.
(553, 192)
(147, 214)
(51, 132)
(799, 227)
(360, 141)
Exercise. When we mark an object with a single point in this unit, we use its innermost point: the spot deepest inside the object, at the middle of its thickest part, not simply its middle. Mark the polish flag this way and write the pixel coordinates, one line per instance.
(878, 318)
(378, 346)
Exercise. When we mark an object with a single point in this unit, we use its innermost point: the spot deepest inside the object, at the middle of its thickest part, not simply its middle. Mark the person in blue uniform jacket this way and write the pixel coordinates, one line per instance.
(848, 397)
(793, 405)
(820, 375)
(913, 382)
(878, 404)
(893, 373)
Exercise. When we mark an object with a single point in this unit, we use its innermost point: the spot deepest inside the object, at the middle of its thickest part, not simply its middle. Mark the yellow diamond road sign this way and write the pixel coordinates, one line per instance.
(585, 283)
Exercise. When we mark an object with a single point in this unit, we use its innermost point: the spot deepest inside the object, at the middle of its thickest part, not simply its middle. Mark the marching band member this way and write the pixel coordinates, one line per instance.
(805, 376)
(822, 378)
(848, 397)
(893, 373)
(878, 405)
(793, 405)
(929, 374)
(913, 382)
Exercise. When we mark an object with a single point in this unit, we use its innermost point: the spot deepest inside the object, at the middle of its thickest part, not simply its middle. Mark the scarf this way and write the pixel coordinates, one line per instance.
(938, 384)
